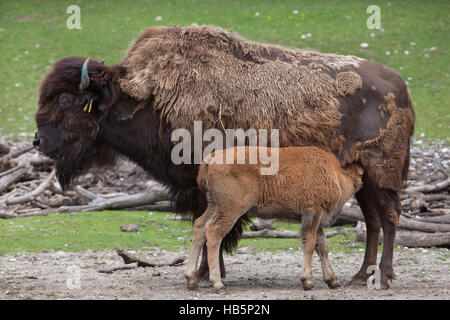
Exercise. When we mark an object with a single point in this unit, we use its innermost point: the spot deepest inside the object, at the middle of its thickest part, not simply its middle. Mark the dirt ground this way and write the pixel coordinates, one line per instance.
(421, 274)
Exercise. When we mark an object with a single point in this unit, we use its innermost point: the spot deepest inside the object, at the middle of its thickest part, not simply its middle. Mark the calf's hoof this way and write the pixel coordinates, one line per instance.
(332, 283)
(218, 287)
(192, 282)
(307, 284)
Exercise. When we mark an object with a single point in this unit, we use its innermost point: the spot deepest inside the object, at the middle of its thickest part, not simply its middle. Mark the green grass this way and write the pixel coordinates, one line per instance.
(95, 231)
(33, 34)
(101, 230)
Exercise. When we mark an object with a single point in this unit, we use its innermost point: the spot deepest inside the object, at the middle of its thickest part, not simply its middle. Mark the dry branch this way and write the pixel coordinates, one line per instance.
(15, 154)
(430, 187)
(412, 224)
(287, 234)
(10, 179)
(409, 239)
(405, 223)
(87, 194)
(155, 193)
(36, 192)
(444, 219)
(157, 262)
(113, 269)
(164, 206)
(261, 224)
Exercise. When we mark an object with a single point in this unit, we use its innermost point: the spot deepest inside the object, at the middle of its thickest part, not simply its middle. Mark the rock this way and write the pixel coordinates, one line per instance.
(130, 227)
(246, 250)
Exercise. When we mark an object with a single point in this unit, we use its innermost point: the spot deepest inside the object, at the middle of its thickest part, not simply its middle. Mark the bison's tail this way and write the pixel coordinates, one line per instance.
(410, 141)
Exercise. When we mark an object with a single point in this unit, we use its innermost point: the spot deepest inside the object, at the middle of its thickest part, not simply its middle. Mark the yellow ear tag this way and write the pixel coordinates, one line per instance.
(85, 107)
(90, 107)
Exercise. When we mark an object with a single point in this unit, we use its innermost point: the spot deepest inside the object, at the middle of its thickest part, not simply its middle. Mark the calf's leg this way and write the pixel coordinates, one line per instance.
(203, 270)
(310, 223)
(198, 241)
(322, 251)
(217, 227)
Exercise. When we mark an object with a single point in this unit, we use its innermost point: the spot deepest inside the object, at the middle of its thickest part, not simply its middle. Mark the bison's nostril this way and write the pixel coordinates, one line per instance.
(36, 143)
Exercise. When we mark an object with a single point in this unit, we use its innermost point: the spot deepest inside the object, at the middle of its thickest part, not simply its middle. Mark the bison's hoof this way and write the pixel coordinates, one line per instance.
(384, 284)
(332, 283)
(358, 280)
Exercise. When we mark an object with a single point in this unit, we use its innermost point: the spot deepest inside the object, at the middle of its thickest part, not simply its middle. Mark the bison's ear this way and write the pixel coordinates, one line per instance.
(99, 81)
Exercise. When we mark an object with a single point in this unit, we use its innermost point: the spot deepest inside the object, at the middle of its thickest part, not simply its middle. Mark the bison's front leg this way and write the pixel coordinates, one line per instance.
(203, 270)
(368, 203)
(381, 208)
(390, 218)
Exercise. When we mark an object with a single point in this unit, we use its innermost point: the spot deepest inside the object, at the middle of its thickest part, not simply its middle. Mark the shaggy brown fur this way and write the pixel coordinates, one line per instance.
(249, 81)
(309, 182)
(171, 76)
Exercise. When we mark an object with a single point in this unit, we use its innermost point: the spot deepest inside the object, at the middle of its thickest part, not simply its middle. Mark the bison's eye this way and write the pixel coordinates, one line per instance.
(65, 100)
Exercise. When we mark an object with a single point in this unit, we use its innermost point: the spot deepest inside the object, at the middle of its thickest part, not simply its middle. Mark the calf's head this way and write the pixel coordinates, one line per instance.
(355, 172)
(75, 97)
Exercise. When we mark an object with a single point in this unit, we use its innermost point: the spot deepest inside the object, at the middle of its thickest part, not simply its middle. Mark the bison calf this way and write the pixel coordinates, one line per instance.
(309, 186)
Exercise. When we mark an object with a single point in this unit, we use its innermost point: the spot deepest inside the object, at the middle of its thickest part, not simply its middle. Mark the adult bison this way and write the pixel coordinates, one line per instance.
(171, 76)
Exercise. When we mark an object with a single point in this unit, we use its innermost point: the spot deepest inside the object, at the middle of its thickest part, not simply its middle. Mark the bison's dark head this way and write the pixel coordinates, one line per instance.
(75, 98)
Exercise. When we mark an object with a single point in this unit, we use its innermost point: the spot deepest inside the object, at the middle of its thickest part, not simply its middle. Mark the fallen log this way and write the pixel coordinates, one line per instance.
(15, 154)
(33, 194)
(87, 194)
(405, 223)
(412, 224)
(409, 239)
(4, 148)
(113, 269)
(440, 211)
(267, 233)
(157, 262)
(10, 179)
(261, 224)
(5, 173)
(428, 188)
(352, 214)
(162, 206)
(154, 194)
(287, 234)
(445, 219)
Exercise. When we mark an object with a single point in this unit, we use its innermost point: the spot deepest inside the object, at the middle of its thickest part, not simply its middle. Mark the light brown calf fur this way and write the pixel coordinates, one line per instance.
(309, 186)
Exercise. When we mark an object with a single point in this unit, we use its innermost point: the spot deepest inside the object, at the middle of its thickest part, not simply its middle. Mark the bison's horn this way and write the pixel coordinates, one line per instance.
(84, 75)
